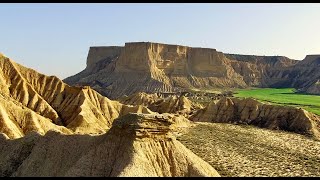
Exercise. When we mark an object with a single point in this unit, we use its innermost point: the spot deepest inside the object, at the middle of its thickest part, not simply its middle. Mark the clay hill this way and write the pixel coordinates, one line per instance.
(176, 104)
(251, 112)
(303, 76)
(153, 67)
(30, 101)
(49, 128)
(136, 145)
(234, 111)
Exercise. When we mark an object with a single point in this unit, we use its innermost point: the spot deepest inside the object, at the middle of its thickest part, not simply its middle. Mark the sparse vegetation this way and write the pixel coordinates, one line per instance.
(241, 150)
(284, 96)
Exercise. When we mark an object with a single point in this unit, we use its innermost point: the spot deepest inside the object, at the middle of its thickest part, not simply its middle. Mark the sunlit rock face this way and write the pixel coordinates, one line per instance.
(154, 67)
(252, 112)
(30, 101)
(136, 145)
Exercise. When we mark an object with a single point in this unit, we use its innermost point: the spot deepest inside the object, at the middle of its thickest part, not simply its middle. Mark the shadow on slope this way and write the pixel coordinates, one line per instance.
(136, 145)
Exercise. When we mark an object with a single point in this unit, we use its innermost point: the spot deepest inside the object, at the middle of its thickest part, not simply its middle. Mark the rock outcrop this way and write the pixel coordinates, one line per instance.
(136, 145)
(176, 104)
(252, 112)
(259, 71)
(153, 67)
(30, 101)
(17, 120)
(140, 98)
(97, 54)
(302, 75)
(312, 89)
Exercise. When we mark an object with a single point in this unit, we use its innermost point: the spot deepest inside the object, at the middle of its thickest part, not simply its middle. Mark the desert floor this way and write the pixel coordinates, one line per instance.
(241, 150)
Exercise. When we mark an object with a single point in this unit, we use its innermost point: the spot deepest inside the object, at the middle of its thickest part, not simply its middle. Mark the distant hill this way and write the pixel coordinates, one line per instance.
(153, 67)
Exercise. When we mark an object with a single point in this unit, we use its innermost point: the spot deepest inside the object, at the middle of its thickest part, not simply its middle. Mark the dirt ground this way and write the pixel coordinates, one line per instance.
(239, 150)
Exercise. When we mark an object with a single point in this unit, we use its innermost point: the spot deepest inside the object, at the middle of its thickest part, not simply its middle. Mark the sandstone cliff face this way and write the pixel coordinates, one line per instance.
(45, 102)
(302, 75)
(250, 111)
(258, 70)
(97, 54)
(153, 67)
(136, 145)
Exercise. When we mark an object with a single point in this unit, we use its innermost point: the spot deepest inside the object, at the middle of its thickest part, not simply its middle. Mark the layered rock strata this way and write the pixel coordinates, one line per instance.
(136, 145)
(176, 104)
(154, 67)
(30, 101)
(252, 112)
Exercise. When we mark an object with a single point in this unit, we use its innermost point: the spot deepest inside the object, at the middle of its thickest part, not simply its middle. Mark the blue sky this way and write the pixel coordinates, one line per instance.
(54, 39)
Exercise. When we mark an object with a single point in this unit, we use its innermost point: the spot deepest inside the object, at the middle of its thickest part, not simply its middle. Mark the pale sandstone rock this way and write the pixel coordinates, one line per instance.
(154, 67)
(136, 145)
(33, 101)
(171, 104)
(140, 98)
(252, 112)
(174, 104)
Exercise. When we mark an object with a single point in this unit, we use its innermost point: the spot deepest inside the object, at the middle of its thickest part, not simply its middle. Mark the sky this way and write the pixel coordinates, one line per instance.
(54, 39)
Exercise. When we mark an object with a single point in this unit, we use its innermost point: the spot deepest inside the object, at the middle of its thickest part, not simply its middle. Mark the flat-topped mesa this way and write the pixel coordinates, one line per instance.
(155, 67)
(144, 57)
(99, 53)
(148, 56)
(171, 59)
(133, 58)
(205, 62)
(311, 59)
(199, 60)
(281, 61)
(156, 126)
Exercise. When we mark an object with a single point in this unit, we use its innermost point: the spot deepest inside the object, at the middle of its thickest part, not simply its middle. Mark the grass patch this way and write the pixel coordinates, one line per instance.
(283, 96)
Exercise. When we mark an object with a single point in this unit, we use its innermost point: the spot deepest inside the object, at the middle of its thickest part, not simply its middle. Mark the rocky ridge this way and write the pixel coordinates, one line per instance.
(140, 98)
(301, 76)
(175, 104)
(87, 134)
(35, 102)
(252, 112)
(136, 145)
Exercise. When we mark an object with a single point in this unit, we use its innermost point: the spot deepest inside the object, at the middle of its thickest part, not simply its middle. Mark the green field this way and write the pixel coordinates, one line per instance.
(285, 96)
